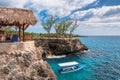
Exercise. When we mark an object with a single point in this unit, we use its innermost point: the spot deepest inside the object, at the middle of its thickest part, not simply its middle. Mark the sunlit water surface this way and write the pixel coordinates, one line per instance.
(102, 61)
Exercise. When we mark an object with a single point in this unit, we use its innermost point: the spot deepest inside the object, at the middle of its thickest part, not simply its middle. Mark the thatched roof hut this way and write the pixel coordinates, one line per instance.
(16, 17)
(21, 18)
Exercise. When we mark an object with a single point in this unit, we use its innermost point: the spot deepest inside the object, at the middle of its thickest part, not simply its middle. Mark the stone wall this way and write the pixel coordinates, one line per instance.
(7, 47)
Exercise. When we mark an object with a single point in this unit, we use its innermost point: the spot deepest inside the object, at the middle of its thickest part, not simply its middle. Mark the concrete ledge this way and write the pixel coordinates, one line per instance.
(8, 47)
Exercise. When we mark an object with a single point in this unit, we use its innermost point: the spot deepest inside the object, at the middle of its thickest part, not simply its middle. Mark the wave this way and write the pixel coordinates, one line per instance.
(53, 56)
(85, 51)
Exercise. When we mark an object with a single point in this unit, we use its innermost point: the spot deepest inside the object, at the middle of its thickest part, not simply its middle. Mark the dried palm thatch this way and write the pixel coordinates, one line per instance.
(16, 17)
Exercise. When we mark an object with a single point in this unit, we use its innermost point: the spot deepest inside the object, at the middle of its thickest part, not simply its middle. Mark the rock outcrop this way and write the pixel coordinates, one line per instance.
(27, 63)
(24, 65)
(59, 46)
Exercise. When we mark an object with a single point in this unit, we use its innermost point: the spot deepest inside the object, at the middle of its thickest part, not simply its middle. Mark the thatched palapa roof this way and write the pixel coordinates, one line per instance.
(16, 17)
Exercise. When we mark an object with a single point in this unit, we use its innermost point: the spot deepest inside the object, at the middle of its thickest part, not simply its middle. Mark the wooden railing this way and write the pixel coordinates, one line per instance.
(26, 38)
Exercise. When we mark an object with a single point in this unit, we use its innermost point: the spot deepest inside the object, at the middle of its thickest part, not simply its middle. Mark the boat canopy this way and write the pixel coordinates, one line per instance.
(68, 63)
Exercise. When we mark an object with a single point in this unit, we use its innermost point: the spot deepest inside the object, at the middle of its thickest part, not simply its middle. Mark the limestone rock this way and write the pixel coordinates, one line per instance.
(25, 65)
(60, 46)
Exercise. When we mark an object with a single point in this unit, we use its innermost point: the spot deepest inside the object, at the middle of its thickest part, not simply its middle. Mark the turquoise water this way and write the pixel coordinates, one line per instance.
(102, 61)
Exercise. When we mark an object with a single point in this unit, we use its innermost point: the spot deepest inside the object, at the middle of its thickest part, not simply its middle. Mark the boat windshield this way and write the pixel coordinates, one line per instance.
(67, 69)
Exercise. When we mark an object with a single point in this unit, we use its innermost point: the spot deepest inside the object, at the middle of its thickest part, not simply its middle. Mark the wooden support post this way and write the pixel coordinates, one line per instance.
(19, 32)
(23, 33)
(24, 27)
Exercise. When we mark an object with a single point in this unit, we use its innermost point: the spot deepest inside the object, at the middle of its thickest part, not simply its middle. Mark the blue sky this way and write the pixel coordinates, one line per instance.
(96, 17)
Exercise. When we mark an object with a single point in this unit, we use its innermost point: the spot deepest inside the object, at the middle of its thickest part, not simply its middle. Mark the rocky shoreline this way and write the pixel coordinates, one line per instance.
(60, 46)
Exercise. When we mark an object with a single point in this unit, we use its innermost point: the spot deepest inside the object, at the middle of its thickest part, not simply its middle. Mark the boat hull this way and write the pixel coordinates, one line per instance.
(71, 69)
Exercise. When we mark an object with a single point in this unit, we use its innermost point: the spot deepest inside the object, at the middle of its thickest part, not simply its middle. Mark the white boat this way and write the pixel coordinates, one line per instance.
(70, 67)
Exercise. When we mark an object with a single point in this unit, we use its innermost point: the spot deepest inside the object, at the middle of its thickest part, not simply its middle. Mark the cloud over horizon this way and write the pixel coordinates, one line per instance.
(95, 14)
(104, 14)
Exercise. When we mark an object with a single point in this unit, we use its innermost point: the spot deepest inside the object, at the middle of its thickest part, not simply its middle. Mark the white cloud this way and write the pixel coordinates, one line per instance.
(106, 14)
(99, 21)
(104, 20)
(55, 7)
(59, 7)
(98, 28)
(13, 3)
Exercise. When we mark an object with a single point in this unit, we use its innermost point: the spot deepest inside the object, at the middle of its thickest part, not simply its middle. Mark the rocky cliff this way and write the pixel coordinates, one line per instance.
(24, 61)
(60, 46)
(24, 65)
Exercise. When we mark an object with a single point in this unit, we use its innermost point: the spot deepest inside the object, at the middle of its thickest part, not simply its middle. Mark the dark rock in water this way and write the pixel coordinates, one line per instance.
(60, 46)
(25, 65)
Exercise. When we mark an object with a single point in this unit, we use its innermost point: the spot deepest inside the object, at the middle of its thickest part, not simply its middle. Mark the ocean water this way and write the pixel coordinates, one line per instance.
(102, 61)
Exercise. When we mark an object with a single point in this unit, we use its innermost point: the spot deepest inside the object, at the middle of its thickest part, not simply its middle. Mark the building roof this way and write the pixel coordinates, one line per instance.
(16, 17)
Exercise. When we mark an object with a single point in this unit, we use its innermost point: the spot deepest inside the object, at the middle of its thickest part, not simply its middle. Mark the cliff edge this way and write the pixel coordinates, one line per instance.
(55, 46)
(24, 65)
